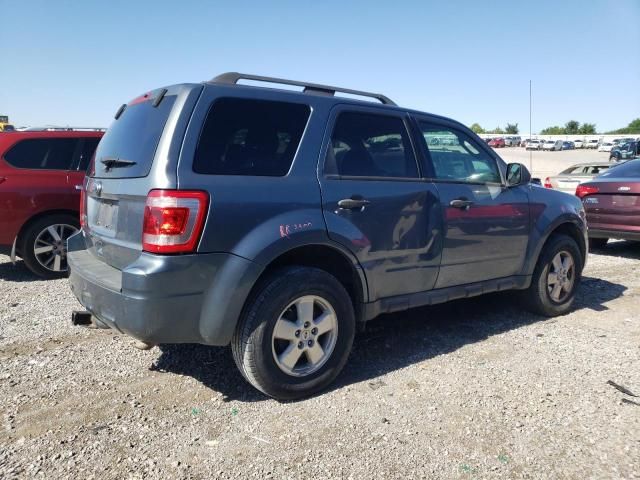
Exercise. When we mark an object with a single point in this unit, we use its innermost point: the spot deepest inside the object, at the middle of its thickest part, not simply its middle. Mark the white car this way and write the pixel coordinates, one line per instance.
(591, 144)
(578, 143)
(534, 144)
(552, 145)
(605, 147)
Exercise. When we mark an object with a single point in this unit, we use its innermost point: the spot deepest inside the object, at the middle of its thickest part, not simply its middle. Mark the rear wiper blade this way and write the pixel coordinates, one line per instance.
(110, 163)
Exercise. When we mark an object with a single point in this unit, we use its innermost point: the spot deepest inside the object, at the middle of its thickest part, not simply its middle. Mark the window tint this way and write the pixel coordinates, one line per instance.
(134, 136)
(456, 156)
(366, 145)
(43, 153)
(87, 150)
(250, 137)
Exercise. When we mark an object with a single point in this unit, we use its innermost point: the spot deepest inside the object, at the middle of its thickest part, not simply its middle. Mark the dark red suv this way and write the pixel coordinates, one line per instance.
(41, 174)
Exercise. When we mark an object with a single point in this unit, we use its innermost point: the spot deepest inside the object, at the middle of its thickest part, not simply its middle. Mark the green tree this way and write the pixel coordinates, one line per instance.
(497, 130)
(587, 129)
(555, 130)
(512, 128)
(633, 127)
(571, 127)
(477, 128)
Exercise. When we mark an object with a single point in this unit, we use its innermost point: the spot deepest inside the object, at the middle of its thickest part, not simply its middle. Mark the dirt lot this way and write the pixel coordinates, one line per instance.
(472, 389)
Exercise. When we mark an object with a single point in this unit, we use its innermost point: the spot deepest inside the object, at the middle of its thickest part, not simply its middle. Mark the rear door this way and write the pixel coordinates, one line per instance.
(35, 180)
(486, 225)
(138, 153)
(376, 203)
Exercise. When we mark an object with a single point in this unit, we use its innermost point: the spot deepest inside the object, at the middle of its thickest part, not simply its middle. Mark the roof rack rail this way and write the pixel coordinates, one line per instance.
(232, 78)
(64, 129)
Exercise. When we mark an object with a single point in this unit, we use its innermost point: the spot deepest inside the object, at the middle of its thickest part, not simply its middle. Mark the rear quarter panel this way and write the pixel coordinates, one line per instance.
(256, 217)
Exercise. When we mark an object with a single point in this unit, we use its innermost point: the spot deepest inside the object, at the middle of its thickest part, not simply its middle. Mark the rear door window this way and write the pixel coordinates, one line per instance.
(250, 137)
(370, 145)
(43, 153)
(133, 139)
(87, 149)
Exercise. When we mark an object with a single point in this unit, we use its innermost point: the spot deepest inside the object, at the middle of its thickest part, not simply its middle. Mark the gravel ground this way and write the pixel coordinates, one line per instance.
(472, 389)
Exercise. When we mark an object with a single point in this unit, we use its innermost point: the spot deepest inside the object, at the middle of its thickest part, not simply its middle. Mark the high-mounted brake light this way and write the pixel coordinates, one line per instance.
(173, 220)
(547, 183)
(584, 190)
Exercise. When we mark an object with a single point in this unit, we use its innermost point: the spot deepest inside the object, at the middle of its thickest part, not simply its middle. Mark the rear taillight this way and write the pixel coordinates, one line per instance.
(547, 183)
(83, 208)
(173, 220)
(584, 190)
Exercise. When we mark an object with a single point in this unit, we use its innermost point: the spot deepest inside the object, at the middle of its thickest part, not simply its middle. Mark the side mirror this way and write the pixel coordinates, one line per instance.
(517, 174)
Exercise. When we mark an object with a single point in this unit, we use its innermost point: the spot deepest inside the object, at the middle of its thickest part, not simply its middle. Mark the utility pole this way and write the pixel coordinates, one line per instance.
(530, 131)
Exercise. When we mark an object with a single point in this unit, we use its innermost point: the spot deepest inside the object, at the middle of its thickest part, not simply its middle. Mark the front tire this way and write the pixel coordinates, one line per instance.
(43, 245)
(295, 333)
(556, 277)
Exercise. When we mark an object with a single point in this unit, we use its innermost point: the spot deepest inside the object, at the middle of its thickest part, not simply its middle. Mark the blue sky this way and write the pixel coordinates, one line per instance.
(75, 62)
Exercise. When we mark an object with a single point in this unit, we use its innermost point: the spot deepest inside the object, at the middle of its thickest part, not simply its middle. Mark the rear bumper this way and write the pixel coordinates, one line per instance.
(164, 299)
(621, 234)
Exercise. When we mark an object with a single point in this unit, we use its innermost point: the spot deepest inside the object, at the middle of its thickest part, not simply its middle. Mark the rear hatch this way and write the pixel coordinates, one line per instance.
(138, 153)
(612, 200)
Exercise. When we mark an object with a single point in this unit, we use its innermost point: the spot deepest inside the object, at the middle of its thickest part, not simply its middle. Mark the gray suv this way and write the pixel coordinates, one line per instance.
(276, 220)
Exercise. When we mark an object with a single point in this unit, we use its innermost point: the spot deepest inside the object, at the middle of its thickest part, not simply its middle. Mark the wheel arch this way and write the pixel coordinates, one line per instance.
(329, 258)
(567, 227)
(34, 218)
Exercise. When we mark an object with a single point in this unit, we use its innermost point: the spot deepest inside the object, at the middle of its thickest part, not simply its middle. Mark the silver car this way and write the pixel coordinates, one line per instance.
(569, 179)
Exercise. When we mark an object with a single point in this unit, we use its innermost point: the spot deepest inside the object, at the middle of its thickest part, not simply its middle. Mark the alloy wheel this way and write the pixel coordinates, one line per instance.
(50, 246)
(304, 336)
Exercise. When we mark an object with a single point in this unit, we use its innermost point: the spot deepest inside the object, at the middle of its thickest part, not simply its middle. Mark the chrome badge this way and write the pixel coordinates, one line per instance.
(624, 189)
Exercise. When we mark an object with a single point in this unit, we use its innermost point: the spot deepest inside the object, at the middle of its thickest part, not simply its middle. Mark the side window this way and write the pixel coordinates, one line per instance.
(456, 156)
(250, 137)
(368, 145)
(43, 153)
(87, 150)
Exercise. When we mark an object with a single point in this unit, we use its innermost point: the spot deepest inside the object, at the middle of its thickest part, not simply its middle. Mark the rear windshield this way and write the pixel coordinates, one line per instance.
(128, 147)
(250, 137)
(629, 169)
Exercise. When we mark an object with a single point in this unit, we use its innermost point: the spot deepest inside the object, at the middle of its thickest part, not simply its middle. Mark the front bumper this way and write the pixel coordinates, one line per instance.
(164, 299)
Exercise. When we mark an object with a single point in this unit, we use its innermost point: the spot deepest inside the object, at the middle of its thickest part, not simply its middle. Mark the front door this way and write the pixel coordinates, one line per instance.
(377, 204)
(486, 225)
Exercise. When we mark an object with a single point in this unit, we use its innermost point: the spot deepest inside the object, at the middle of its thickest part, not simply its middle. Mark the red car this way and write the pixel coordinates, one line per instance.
(497, 143)
(612, 203)
(41, 174)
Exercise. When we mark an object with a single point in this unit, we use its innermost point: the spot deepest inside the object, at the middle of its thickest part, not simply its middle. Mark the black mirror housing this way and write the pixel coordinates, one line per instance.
(517, 174)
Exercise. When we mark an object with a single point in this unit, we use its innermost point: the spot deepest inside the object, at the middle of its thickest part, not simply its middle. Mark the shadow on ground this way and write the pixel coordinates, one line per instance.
(16, 273)
(620, 248)
(392, 341)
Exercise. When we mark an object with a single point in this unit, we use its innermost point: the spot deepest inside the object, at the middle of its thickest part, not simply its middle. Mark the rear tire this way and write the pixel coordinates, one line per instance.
(556, 277)
(597, 243)
(48, 236)
(282, 345)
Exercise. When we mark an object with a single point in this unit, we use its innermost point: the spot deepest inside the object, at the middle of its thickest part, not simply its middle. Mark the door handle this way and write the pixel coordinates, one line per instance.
(460, 203)
(353, 203)
(78, 187)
